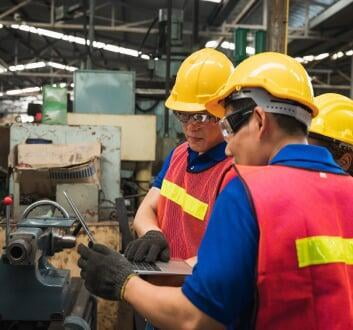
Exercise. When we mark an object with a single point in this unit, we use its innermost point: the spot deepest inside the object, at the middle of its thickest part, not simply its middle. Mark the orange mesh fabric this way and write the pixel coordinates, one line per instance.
(182, 222)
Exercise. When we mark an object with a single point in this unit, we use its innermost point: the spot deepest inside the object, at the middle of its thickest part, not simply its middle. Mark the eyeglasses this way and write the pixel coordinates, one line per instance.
(232, 123)
(196, 117)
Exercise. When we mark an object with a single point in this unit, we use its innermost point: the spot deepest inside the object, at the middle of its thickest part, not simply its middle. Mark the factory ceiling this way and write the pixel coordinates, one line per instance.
(44, 41)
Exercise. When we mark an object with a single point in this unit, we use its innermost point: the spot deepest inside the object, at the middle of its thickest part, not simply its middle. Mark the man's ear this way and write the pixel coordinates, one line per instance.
(261, 120)
(346, 160)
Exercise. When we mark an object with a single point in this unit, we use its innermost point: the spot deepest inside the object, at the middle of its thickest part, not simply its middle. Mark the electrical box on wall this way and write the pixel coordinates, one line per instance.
(104, 92)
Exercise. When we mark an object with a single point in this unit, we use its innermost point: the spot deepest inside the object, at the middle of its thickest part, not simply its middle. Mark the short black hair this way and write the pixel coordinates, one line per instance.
(290, 125)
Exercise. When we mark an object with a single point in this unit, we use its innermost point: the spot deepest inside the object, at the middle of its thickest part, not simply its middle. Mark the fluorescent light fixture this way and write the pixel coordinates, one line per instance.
(28, 66)
(215, 1)
(321, 56)
(250, 50)
(337, 55)
(79, 40)
(299, 59)
(62, 66)
(38, 65)
(211, 44)
(23, 91)
(228, 45)
(308, 58)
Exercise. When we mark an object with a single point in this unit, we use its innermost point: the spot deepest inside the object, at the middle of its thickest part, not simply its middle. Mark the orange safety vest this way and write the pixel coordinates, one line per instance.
(305, 260)
(186, 201)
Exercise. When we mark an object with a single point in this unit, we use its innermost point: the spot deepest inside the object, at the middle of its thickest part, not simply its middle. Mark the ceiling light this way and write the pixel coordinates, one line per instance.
(250, 50)
(211, 44)
(215, 1)
(321, 56)
(79, 40)
(62, 66)
(349, 52)
(23, 91)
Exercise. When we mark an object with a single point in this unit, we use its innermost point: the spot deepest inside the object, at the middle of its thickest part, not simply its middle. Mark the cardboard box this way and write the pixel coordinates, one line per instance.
(39, 156)
(40, 167)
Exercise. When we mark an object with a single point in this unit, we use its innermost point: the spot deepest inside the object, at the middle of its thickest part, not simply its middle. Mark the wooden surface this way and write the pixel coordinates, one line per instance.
(106, 233)
(138, 132)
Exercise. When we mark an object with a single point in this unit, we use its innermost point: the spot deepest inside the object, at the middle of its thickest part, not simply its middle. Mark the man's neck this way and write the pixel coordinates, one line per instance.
(286, 141)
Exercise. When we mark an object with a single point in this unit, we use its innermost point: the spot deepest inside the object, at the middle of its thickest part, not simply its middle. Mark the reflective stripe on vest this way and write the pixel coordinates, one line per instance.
(318, 250)
(188, 203)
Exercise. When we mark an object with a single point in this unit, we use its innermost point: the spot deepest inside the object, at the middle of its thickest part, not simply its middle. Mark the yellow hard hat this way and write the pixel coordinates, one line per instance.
(335, 118)
(200, 77)
(280, 75)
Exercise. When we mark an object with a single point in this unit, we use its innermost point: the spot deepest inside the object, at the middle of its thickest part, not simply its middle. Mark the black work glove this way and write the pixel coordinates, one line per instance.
(104, 271)
(150, 247)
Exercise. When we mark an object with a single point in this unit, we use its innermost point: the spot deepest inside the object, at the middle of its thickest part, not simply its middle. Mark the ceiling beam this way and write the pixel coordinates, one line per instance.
(329, 12)
(14, 8)
(221, 12)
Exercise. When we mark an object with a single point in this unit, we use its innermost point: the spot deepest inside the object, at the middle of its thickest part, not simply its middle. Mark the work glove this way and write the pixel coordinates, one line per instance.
(104, 271)
(149, 248)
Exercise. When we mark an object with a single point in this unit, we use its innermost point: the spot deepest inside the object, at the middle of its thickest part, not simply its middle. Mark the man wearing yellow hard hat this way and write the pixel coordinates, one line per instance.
(333, 128)
(173, 216)
(277, 251)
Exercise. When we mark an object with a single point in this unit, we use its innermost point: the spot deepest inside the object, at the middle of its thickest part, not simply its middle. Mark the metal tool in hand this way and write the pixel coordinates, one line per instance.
(79, 217)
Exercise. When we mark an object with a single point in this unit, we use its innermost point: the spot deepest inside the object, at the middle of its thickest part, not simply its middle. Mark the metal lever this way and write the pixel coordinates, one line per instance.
(79, 217)
(7, 201)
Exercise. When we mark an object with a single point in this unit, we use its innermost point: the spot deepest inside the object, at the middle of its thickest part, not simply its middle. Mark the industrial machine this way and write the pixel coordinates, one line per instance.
(33, 293)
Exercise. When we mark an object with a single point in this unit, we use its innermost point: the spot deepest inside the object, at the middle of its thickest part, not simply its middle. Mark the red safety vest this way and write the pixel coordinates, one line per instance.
(305, 260)
(186, 202)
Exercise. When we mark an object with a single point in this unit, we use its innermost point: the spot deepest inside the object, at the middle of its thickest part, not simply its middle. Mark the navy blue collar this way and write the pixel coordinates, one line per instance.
(308, 157)
(199, 163)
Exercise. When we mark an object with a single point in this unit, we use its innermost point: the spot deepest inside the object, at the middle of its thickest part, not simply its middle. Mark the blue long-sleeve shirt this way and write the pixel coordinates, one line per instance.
(223, 281)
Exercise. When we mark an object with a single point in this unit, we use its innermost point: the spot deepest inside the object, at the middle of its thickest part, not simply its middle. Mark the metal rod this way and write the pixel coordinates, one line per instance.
(167, 75)
(8, 209)
(91, 32)
(351, 87)
(79, 217)
(195, 25)
(13, 9)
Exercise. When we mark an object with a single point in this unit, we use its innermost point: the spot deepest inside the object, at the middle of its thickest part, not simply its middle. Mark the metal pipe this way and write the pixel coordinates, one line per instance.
(195, 26)
(167, 75)
(352, 77)
(44, 202)
(91, 33)
(52, 12)
(13, 9)
(332, 87)
(8, 210)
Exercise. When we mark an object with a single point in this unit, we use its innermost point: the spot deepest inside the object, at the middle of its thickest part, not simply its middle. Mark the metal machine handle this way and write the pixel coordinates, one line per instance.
(44, 202)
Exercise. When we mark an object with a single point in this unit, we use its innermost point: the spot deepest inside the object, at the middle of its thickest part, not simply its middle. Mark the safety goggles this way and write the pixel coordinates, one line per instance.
(185, 117)
(272, 104)
(232, 123)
